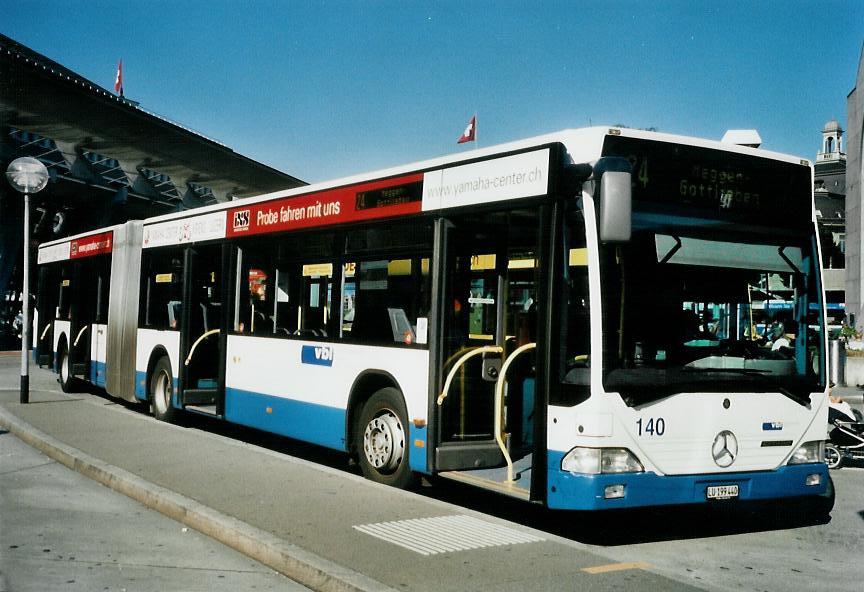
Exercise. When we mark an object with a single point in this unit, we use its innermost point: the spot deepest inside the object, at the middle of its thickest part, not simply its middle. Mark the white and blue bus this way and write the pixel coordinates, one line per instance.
(583, 319)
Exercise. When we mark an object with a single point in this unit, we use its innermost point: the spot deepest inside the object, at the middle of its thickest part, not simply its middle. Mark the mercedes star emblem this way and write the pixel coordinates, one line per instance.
(725, 449)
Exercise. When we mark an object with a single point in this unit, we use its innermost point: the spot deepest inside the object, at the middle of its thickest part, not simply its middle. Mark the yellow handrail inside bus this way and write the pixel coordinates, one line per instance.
(197, 341)
(480, 350)
(45, 332)
(499, 405)
(80, 333)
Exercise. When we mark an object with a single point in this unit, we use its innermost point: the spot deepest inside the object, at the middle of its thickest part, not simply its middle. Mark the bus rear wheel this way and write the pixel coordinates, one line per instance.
(67, 379)
(162, 391)
(381, 439)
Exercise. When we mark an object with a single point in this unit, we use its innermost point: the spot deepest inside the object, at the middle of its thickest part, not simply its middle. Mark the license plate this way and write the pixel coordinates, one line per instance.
(722, 492)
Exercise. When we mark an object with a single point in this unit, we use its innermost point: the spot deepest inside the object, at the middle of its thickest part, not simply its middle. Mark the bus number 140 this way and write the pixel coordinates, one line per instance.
(653, 427)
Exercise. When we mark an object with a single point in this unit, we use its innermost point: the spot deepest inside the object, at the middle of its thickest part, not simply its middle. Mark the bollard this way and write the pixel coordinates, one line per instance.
(837, 362)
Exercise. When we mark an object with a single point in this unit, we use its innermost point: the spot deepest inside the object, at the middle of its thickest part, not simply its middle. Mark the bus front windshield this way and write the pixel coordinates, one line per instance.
(711, 313)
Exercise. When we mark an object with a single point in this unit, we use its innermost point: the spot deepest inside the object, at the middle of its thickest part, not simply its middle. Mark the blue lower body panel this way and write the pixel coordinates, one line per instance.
(97, 373)
(141, 392)
(309, 422)
(568, 491)
(141, 386)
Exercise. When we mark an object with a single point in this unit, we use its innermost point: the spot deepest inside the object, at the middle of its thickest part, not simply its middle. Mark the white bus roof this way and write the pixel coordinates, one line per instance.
(584, 145)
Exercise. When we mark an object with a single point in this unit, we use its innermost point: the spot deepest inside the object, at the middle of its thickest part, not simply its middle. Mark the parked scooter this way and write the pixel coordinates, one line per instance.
(845, 435)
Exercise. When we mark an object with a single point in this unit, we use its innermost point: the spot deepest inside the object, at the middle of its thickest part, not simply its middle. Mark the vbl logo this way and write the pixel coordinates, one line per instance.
(241, 219)
(318, 355)
(324, 353)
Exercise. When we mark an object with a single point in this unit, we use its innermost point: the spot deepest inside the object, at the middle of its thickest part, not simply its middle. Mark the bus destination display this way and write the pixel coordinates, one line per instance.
(713, 184)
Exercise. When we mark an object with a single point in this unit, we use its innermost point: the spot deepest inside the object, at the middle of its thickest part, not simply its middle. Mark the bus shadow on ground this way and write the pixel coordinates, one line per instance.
(604, 528)
(642, 525)
(276, 443)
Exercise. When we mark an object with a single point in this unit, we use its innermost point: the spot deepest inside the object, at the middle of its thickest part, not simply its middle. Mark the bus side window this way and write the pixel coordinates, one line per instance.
(162, 287)
(254, 291)
(64, 302)
(382, 300)
(317, 288)
(575, 327)
(286, 298)
(386, 284)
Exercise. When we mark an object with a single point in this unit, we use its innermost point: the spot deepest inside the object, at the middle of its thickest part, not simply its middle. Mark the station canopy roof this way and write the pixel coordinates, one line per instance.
(109, 159)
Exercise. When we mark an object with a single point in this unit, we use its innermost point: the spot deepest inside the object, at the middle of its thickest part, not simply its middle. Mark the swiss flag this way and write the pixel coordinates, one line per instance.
(118, 82)
(470, 133)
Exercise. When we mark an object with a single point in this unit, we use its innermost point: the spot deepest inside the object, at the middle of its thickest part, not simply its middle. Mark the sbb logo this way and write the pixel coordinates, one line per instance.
(241, 219)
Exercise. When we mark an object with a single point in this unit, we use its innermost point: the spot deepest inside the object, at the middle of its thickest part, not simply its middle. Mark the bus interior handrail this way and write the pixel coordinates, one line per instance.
(460, 362)
(499, 405)
(197, 342)
(80, 333)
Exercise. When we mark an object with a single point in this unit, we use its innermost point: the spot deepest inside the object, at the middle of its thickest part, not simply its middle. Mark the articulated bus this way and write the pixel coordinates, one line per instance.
(583, 319)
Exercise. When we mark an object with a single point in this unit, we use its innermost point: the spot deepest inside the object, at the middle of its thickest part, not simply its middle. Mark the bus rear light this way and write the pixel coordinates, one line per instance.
(595, 461)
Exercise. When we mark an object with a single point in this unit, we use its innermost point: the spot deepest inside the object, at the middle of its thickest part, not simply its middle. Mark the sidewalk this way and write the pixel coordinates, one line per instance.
(320, 526)
(63, 532)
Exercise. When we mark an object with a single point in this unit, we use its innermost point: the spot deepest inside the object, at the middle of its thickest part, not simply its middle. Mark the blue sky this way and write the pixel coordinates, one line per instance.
(324, 89)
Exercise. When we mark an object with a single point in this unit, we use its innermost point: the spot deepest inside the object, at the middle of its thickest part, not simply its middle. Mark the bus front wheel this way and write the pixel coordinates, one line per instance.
(382, 439)
(162, 391)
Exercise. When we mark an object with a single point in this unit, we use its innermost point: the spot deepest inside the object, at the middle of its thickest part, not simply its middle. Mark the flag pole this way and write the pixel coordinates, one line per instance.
(476, 131)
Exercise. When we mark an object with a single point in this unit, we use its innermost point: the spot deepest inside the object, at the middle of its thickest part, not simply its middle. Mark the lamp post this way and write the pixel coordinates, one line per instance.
(26, 175)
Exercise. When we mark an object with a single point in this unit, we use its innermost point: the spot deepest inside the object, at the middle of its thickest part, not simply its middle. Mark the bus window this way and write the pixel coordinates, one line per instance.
(575, 358)
(64, 299)
(254, 313)
(317, 286)
(280, 293)
(386, 298)
(102, 282)
(254, 301)
(384, 301)
(162, 288)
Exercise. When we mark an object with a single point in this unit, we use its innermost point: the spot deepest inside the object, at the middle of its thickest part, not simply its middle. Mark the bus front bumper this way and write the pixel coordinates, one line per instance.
(569, 491)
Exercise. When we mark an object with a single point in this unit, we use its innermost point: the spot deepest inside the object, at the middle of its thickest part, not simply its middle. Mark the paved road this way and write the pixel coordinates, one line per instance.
(61, 531)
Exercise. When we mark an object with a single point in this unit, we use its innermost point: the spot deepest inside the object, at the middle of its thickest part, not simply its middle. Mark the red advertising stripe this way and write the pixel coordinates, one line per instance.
(95, 244)
(378, 199)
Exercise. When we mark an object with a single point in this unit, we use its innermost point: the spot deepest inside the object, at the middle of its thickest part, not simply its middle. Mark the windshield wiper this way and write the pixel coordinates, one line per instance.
(760, 373)
(753, 371)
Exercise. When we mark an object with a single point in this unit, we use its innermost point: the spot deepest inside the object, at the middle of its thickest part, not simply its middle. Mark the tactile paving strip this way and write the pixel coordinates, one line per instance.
(444, 534)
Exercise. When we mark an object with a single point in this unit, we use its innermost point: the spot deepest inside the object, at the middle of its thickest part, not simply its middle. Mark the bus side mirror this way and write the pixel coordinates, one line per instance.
(616, 200)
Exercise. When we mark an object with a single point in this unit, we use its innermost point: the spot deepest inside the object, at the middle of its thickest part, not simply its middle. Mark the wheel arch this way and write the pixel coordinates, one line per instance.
(158, 353)
(62, 344)
(365, 385)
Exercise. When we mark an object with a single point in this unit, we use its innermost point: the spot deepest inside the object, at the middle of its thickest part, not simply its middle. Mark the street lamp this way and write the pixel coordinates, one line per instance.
(26, 175)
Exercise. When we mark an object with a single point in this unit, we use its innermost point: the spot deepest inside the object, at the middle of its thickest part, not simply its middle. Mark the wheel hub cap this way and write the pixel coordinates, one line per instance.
(383, 442)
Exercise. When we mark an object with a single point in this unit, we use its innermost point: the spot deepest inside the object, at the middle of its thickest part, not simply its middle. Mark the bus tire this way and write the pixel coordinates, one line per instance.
(68, 382)
(162, 391)
(382, 439)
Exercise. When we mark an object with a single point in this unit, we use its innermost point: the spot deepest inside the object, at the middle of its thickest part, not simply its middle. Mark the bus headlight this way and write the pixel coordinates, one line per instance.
(593, 461)
(809, 452)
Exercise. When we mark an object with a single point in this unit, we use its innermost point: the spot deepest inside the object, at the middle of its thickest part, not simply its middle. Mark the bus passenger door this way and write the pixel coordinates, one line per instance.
(46, 307)
(82, 316)
(202, 337)
(490, 311)
(99, 284)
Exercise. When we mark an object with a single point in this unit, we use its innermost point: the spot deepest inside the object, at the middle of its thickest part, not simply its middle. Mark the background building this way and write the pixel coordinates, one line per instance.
(854, 174)
(109, 160)
(829, 194)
